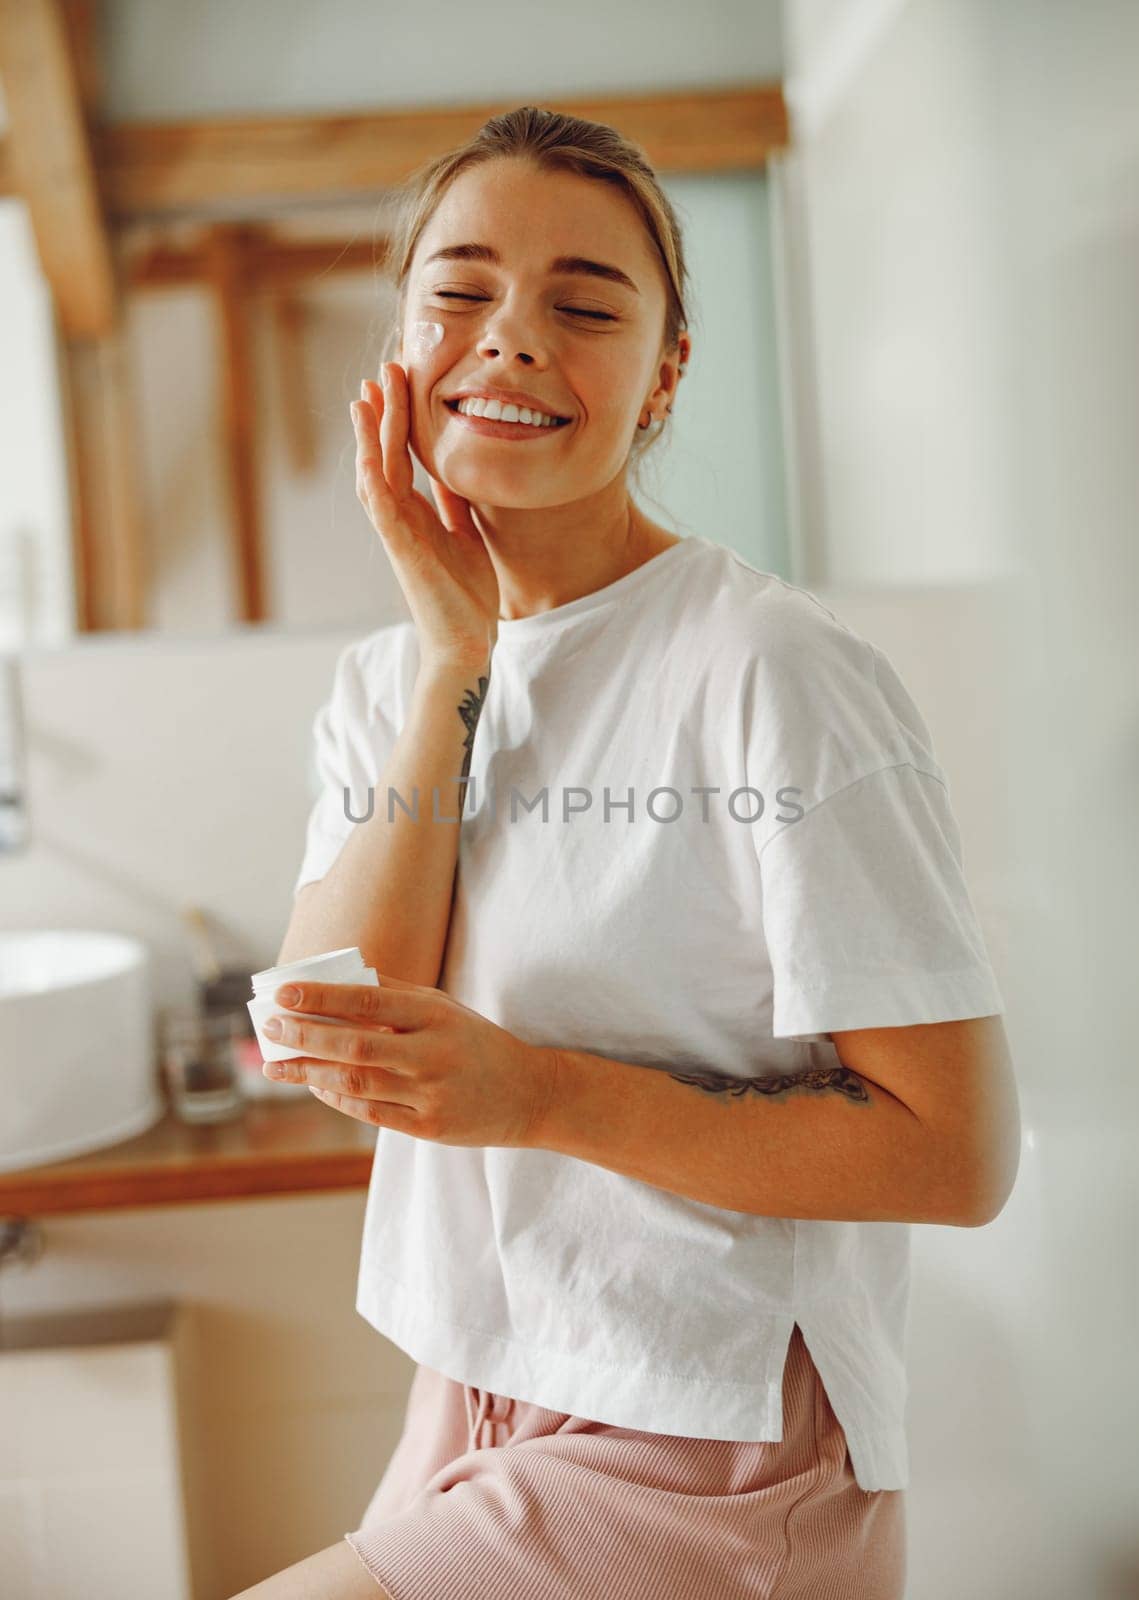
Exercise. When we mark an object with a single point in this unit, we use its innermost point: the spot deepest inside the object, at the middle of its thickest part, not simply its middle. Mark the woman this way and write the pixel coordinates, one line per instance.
(687, 1018)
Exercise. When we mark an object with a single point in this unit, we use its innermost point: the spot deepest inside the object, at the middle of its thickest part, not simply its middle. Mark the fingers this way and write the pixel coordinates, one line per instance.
(396, 1004)
(394, 430)
(376, 1113)
(372, 488)
(350, 1048)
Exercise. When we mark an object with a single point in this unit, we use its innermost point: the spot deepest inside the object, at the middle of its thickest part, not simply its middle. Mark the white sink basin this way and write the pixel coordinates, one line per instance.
(77, 1059)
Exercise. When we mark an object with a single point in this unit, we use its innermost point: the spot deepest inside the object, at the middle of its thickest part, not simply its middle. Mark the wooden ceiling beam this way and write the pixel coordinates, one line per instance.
(155, 168)
(227, 246)
(49, 162)
(271, 264)
(82, 32)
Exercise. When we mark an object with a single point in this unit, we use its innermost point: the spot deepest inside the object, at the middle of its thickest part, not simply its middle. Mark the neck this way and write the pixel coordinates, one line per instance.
(547, 557)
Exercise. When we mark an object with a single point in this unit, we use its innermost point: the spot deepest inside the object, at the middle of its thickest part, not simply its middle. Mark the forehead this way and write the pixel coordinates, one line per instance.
(531, 216)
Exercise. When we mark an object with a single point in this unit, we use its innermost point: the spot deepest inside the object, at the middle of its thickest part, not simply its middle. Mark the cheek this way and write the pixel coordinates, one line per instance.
(428, 415)
(608, 392)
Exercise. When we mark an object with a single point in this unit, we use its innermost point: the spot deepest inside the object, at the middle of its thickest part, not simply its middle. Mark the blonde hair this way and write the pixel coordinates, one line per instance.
(553, 142)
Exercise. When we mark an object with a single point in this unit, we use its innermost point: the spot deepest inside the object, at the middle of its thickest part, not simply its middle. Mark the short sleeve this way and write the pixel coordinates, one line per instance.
(353, 734)
(867, 915)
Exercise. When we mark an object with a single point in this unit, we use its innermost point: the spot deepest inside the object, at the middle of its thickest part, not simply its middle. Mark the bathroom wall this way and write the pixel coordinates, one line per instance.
(36, 599)
(163, 62)
(1067, 158)
(888, 195)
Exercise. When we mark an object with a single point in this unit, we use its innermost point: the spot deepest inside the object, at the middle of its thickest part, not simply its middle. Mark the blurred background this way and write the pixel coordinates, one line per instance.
(913, 233)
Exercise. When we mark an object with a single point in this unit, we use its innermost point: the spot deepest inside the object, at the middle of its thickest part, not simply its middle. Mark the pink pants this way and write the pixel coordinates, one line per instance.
(487, 1497)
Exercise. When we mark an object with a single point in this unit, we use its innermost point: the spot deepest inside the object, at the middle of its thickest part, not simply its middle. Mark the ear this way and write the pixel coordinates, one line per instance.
(669, 373)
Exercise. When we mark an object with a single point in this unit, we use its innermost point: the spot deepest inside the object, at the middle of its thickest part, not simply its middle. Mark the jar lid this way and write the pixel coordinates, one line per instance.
(346, 962)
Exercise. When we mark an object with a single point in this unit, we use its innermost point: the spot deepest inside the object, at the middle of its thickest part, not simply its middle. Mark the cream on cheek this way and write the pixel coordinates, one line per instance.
(423, 338)
(419, 345)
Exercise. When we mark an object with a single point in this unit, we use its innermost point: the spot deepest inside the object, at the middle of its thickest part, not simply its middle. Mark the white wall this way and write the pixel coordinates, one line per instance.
(36, 590)
(1066, 144)
(889, 192)
(166, 61)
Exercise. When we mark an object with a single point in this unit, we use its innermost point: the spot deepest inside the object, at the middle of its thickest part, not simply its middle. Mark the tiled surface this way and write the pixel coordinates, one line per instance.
(115, 1536)
(90, 1484)
(23, 1548)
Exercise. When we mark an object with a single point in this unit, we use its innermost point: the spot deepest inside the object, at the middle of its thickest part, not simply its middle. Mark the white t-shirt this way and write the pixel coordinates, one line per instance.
(723, 932)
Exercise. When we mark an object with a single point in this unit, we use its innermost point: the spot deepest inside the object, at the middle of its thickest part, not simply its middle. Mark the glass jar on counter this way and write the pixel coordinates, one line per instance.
(200, 1062)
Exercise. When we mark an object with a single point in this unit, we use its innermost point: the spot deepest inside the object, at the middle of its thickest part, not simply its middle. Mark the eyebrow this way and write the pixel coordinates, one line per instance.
(577, 266)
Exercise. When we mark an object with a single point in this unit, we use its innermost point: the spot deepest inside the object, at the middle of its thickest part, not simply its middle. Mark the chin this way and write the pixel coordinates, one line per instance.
(507, 490)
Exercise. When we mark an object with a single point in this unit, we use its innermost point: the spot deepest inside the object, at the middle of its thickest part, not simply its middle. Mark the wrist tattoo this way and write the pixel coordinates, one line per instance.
(470, 709)
(817, 1080)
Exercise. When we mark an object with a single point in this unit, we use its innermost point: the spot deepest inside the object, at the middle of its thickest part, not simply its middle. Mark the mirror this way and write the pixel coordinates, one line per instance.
(191, 467)
(245, 344)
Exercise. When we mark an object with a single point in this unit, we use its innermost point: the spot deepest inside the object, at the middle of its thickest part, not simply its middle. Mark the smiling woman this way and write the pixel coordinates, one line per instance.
(630, 1207)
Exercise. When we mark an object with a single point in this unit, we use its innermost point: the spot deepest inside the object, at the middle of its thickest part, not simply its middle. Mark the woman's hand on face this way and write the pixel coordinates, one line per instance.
(415, 1060)
(439, 556)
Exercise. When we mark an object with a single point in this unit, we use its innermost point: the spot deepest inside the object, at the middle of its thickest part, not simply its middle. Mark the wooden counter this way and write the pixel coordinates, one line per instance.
(273, 1147)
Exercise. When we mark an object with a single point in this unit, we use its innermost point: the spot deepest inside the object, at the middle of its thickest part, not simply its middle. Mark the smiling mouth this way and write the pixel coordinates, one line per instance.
(528, 427)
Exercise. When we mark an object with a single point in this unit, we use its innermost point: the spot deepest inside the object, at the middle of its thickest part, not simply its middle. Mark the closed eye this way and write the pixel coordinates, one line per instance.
(576, 311)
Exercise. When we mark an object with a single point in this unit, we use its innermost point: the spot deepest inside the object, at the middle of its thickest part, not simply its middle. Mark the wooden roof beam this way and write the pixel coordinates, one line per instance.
(48, 161)
(270, 263)
(149, 169)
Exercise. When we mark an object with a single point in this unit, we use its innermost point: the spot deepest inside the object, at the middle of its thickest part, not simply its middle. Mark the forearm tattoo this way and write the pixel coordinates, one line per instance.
(817, 1080)
(470, 709)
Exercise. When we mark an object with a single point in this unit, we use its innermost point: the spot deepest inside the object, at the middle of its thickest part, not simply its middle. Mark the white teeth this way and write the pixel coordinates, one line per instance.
(495, 411)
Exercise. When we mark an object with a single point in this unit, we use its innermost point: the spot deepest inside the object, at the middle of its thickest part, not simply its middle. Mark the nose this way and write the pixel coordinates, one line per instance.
(509, 337)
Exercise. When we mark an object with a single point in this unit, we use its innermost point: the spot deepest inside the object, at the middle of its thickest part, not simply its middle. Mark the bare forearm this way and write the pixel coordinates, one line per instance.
(390, 888)
(822, 1145)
